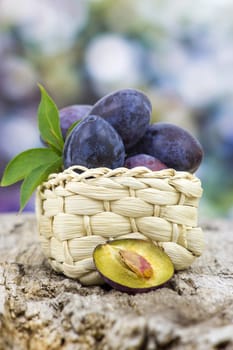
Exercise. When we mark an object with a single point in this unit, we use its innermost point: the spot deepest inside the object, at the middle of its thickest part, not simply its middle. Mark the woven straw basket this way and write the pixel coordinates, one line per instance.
(76, 211)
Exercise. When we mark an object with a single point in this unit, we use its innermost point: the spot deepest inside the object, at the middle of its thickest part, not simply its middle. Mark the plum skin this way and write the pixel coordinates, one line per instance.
(146, 160)
(70, 114)
(93, 143)
(128, 111)
(172, 145)
(130, 290)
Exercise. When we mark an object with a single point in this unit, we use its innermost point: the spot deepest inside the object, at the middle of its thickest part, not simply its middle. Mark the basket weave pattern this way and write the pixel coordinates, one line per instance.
(76, 211)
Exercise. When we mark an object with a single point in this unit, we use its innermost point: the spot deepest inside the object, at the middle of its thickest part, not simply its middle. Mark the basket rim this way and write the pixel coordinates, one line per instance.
(71, 174)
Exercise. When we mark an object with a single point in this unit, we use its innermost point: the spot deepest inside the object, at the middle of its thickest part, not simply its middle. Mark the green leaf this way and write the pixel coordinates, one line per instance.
(49, 121)
(23, 164)
(35, 178)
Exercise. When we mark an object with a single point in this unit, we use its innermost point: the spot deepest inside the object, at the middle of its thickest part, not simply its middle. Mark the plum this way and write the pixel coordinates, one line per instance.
(146, 160)
(172, 145)
(128, 111)
(71, 114)
(132, 265)
(94, 143)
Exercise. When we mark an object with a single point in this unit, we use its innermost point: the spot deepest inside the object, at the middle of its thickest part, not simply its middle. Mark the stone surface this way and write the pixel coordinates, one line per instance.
(42, 310)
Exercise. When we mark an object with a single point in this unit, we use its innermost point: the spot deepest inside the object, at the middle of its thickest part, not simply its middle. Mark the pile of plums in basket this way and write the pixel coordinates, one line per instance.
(116, 132)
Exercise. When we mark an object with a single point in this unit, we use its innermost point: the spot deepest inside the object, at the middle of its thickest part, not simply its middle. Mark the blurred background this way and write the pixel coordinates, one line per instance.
(179, 53)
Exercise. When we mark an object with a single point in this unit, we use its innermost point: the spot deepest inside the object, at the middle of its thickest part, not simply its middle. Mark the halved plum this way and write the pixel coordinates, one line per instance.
(132, 265)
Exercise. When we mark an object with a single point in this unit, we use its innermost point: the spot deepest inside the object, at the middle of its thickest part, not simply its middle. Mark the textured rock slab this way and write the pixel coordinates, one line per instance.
(40, 309)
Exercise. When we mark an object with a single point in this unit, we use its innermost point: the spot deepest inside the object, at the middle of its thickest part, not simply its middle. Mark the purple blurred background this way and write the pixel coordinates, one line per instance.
(178, 52)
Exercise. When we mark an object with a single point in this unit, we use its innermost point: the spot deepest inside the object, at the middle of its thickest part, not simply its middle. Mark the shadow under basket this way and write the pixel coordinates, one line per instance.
(80, 208)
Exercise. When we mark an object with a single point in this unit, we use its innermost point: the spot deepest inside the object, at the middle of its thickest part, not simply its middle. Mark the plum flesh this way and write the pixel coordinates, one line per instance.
(132, 265)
